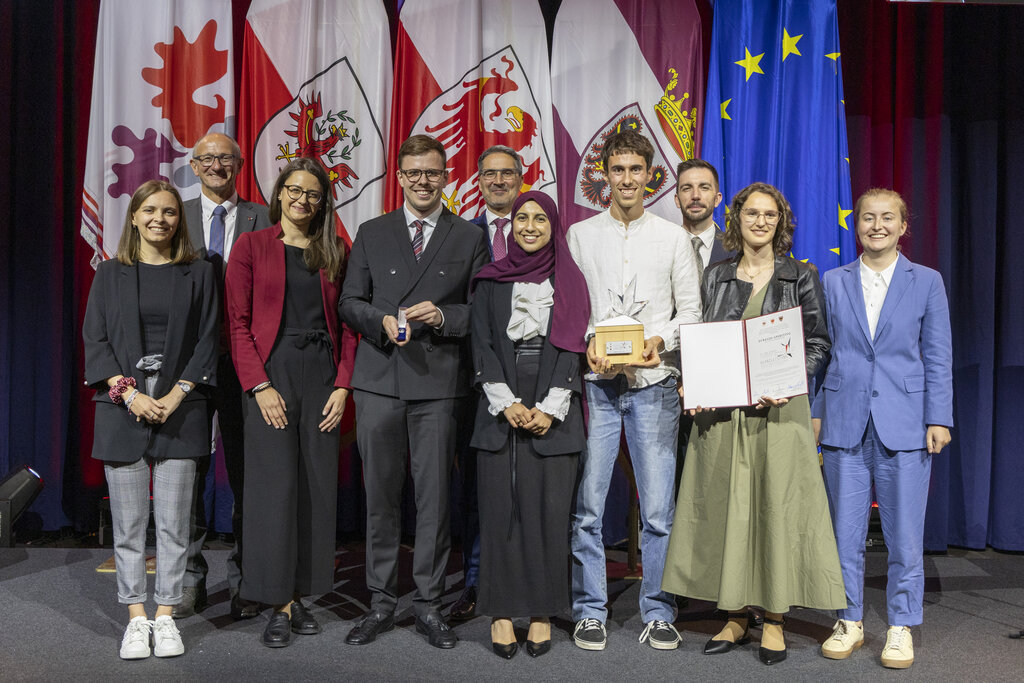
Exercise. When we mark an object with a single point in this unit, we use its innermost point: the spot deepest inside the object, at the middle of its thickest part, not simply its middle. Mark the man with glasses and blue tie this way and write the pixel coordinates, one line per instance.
(215, 220)
(500, 179)
(406, 292)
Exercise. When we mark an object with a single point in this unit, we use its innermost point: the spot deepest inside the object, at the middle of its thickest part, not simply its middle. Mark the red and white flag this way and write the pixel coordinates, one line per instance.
(316, 82)
(473, 73)
(625, 63)
(162, 80)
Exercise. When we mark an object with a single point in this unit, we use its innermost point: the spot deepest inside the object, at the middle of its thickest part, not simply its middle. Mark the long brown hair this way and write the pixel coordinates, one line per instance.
(323, 252)
(782, 241)
(129, 245)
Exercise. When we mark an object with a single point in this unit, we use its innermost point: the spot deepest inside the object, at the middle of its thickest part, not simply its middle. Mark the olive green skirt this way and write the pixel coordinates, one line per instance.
(752, 524)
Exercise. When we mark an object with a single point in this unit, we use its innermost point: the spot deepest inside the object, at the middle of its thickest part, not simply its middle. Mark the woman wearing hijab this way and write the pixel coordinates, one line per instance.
(530, 313)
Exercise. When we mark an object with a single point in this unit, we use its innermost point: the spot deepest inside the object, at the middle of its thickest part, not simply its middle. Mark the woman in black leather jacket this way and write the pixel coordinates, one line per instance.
(752, 526)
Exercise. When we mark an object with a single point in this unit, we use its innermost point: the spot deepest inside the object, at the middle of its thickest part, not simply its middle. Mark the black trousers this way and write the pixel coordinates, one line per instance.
(387, 430)
(291, 481)
(226, 400)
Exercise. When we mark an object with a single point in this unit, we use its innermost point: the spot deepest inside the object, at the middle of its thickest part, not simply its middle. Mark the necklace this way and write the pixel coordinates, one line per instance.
(754, 275)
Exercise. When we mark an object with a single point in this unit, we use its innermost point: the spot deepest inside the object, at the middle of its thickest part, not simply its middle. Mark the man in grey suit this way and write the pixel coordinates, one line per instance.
(407, 381)
(215, 220)
(500, 178)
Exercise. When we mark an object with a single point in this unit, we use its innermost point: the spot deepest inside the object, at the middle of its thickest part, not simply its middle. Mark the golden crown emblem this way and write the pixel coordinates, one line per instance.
(678, 124)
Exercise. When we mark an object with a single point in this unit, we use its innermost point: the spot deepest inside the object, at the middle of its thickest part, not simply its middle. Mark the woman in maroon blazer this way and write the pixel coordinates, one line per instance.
(294, 360)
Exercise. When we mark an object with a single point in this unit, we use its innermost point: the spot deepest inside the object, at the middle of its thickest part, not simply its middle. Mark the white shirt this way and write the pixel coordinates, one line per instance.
(531, 313)
(707, 240)
(429, 223)
(231, 206)
(875, 285)
(659, 255)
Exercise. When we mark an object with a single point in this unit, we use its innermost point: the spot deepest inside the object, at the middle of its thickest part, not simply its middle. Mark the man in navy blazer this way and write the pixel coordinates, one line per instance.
(215, 221)
(500, 179)
(882, 412)
(407, 380)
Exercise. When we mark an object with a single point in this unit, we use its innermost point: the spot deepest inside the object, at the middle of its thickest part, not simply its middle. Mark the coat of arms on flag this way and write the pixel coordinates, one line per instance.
(330, 120)
(492, 104)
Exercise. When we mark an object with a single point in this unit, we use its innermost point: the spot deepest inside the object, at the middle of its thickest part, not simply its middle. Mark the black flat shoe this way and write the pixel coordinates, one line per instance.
(720, 647)
(278, 632)
(242, 608)
(506, 651)
(465, 607)
(369, 627)
(770, 657)
(437, 631)
(537, 649)
(302, 621)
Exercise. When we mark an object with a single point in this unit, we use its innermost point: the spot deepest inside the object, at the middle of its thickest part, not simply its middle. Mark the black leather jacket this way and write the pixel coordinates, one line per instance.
(793, 284)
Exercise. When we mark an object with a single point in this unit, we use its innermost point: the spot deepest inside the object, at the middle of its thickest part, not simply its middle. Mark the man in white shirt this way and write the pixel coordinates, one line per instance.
(697, 196)
(499, 179)
(215, 220)
(625, 245)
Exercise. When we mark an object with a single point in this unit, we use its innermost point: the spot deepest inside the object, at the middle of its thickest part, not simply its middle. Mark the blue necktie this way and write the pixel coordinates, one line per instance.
(217, 231)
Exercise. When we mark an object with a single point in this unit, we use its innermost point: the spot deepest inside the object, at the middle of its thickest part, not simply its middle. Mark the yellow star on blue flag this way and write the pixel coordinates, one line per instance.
(795, 110)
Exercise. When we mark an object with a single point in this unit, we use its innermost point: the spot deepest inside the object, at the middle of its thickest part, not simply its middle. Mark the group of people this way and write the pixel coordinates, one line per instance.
(476, 340)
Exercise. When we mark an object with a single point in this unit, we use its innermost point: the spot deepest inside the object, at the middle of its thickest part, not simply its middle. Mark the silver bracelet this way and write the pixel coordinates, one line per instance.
(128, 401)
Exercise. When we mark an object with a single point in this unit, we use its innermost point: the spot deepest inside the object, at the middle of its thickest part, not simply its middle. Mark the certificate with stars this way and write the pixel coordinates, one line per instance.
(762, 356)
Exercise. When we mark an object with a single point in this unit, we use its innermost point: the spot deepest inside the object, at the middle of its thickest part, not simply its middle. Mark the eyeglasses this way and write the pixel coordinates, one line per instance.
(751, 216)
(492, 173)
(206, 160)
(296, 192)
(413, 174)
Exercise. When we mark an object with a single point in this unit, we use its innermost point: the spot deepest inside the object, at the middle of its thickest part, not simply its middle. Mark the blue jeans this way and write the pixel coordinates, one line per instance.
(651, 420)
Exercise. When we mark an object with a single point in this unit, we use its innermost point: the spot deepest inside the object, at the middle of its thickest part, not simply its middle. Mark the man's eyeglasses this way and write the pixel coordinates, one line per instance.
(296, 192)
(206, 160)
(492, 173)
(413, 174)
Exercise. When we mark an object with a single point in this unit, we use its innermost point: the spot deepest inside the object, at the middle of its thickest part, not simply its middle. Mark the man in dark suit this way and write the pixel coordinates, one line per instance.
(500, 178)
(407, 381)
(215, 220)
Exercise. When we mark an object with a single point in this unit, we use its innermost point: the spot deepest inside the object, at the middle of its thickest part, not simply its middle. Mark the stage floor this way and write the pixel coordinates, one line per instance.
(61, 619)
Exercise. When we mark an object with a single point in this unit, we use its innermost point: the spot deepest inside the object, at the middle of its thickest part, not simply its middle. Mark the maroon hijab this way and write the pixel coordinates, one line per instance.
(571, 311)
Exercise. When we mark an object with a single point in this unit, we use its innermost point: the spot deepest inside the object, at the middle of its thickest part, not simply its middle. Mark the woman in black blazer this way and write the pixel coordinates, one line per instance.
(150, 336)
(529, 315)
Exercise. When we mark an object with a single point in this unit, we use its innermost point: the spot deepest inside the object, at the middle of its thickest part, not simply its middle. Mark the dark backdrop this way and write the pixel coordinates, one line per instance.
(933, 115)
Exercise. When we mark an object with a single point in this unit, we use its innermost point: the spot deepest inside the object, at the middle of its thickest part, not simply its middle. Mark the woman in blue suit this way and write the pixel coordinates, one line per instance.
(883, 410)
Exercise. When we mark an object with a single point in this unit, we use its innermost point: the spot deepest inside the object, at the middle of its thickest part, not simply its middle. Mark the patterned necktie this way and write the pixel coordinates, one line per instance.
(500, 244)
(695, 241)
(417, 239)
(217, 231)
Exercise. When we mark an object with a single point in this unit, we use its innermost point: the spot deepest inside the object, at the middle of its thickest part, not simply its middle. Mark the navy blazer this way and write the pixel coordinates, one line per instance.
(249, 216)
(112, 333)
(494, 361)
(382, 275)
(903, 379)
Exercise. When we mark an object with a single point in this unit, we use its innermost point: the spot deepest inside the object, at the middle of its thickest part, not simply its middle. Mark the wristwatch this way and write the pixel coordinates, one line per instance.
(184, 386)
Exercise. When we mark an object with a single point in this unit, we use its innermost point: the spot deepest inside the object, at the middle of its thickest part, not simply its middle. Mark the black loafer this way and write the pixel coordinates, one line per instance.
(465, 607)
(369, 627)
(278, 632)
(303, 622)
(193, 600)
(505, 651)
(242, 608)
(537, 649)
(437, 631)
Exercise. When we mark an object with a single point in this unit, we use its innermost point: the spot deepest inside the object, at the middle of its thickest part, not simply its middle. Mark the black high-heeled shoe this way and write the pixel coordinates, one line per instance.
(720, 647)
(505, 651)
(767, 656)
(537, 649)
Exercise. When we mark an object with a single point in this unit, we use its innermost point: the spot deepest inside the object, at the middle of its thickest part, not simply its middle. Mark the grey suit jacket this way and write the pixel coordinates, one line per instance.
(382, 275)
(250, 216)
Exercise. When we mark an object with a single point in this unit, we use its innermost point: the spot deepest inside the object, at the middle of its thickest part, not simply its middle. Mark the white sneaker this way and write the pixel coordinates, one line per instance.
(899, 648)
(166, 639)
(846, 637)
(135, 643)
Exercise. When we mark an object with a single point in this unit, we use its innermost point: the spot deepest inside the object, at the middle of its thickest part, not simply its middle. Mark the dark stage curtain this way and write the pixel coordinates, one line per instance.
(932, 102)
(932, 114)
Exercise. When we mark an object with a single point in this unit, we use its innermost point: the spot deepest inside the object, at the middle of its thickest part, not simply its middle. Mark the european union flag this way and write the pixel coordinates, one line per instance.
(775, 114)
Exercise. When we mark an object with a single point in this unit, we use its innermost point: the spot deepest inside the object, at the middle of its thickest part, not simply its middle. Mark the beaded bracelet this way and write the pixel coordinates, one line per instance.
(119, 387)
(128, 401)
